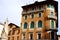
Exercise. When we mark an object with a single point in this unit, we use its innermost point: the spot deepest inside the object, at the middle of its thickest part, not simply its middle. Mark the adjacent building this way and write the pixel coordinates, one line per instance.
(4, 34)
(39, 21)
(14, 32)
(1, 27)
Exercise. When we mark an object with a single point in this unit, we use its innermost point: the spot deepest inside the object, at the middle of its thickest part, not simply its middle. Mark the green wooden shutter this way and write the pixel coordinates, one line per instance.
(52, 24)
(25, 25)
(32, 25)
(32, 15)
(39, 14)
(39, 24)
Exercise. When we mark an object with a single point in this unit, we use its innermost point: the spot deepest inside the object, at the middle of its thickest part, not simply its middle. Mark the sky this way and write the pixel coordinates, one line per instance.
(12, 10)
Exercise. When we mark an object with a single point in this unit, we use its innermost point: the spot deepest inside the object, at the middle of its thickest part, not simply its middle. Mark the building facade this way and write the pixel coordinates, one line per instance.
(39, 21)
(14, 32)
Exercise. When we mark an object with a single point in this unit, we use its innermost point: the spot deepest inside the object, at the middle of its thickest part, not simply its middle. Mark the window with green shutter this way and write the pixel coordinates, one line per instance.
(39, 24)
(32, 15)
(25, 25)
(25, 17)
(32, 25)
(52, 24)
(39, 15)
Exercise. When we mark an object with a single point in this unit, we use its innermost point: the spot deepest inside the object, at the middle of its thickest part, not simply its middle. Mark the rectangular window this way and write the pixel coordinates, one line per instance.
(40, 7)
(23, 36)
(52, 35)
(52, 24)
(31, 36)
(39, 14)
(34, 8)
(25, 17)
(39, 36)
(32, 15)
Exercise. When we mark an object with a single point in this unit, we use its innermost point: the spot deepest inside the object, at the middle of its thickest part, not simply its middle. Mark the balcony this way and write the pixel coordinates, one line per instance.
(31, 11)
(51, 29)
(52, 17)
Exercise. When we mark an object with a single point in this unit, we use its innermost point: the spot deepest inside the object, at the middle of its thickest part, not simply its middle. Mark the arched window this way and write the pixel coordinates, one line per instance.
(32, 15)
(25, 25)
(39, 24)
(32, 25)
(52, 24)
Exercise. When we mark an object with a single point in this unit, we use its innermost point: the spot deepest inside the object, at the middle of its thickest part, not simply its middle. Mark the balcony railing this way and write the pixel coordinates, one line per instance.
(51, 29)
(31, 11)
(52, 17)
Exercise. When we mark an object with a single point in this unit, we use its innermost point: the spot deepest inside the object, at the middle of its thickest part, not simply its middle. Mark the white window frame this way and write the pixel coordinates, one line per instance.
(29, 26)
(50, 24)
(37, 25)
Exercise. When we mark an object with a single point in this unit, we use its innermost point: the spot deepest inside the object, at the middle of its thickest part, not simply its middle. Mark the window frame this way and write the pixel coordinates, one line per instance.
(32, 15)
(25, 25)
(39, 24)
(39, 14)
(31, 25)
(25, 17)
(50, 24)
(38, 35)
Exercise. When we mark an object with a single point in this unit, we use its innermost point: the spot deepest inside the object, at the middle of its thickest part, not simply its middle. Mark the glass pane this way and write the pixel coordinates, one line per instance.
(32, 15)
(39, 24)
(32, 25)
(39, 14)
(52, 24)
(40, 7)
(25, 25)
(25, 17)
(31, 36)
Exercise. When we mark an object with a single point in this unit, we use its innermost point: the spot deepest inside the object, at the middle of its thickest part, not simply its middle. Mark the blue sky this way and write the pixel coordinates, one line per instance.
(12, 10)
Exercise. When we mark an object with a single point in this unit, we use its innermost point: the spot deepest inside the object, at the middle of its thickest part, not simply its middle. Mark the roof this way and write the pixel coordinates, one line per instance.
(36, 3)
(11, 24)
(40, 3)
